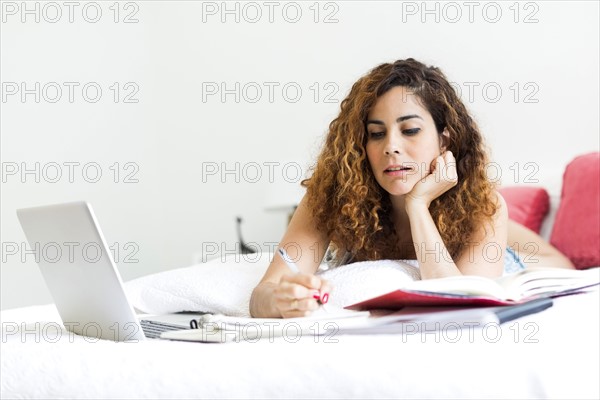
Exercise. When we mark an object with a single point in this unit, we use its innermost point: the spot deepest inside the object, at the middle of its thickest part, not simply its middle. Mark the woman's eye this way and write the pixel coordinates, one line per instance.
(412, 131)
(376, 135)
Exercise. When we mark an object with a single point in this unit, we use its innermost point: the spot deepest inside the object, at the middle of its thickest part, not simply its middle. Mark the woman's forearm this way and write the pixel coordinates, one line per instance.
(261, 302)
(434, 259)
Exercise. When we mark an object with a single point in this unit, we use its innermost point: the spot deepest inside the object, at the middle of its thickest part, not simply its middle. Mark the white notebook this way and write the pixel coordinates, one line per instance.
(221, 328)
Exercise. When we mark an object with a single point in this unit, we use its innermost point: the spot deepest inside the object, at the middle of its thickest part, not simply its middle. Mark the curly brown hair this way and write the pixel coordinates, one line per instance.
(354, 210)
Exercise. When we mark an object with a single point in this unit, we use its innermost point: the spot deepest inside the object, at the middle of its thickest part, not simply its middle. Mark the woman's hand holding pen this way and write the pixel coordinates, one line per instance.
(298, 294)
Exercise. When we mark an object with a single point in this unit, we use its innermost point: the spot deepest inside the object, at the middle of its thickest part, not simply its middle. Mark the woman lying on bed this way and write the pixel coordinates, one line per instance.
(401, 176)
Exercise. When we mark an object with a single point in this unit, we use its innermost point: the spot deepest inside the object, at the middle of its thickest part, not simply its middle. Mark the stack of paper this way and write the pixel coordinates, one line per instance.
(221, 328)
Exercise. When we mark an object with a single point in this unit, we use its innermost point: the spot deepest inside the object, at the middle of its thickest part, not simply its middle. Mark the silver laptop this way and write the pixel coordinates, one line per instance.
(78, 268)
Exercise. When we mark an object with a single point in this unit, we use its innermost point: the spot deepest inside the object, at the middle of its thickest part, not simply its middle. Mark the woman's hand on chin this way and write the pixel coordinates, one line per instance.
(443, 177)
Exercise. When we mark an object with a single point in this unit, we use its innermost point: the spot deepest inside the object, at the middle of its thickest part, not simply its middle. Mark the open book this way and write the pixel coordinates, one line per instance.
(526, 285)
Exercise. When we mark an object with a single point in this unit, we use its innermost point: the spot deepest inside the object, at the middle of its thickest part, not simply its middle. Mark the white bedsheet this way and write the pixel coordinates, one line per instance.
(553, 354)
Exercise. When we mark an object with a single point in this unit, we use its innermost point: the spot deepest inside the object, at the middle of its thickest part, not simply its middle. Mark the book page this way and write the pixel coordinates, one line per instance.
(461, 285)
(539, 280)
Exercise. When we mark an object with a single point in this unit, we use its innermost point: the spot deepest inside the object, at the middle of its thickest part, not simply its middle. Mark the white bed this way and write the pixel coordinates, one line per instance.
(552, 354)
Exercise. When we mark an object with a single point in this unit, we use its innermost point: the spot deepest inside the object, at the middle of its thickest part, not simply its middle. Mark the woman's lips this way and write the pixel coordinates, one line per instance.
(398, 171)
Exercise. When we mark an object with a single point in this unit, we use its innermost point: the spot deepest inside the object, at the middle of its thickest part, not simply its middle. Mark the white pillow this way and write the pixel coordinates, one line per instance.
(221, 286)
(225, 286)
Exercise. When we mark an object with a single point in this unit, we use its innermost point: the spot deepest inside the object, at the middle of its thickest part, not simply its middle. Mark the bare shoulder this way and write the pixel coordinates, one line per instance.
(498, 222)
(486, 245)
(502, 211)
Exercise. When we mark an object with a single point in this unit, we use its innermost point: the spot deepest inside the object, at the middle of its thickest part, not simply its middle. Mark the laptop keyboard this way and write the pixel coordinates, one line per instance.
(153, 329)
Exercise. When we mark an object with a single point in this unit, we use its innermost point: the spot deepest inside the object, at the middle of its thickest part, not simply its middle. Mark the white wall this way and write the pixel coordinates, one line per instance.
(176, 49)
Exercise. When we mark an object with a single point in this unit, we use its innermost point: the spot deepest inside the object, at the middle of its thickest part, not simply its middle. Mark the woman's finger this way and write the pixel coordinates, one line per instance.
(440, 166)
(449, 173)
(325, 291)
(293, 299)
(300, 294)
(307, 280)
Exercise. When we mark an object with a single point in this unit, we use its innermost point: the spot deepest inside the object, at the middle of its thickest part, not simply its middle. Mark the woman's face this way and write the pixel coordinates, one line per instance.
(402, 141)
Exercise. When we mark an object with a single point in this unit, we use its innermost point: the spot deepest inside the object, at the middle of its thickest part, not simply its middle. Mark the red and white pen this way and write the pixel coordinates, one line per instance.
(294, 268)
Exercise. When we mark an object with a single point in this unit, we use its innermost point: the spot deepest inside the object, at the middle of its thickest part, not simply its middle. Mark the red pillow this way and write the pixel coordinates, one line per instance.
(527, 205)
(576, 230)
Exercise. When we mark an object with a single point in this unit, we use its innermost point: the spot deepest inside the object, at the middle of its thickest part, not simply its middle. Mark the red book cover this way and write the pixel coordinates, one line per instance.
(400, 298)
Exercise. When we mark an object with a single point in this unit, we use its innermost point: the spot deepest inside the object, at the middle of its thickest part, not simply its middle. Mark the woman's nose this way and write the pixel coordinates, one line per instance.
(392, 145)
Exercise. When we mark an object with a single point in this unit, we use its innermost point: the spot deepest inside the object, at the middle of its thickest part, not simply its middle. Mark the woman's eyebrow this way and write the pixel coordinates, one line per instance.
(399, 119)
(404, 118)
